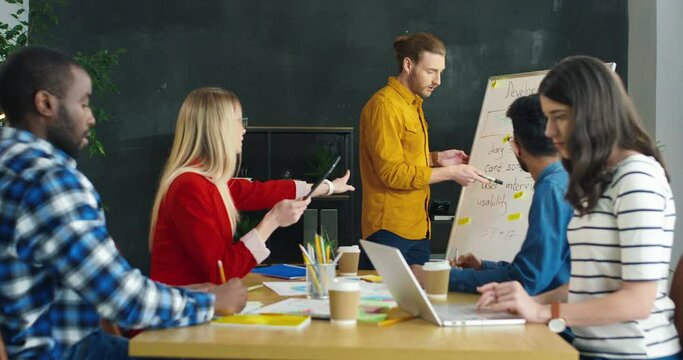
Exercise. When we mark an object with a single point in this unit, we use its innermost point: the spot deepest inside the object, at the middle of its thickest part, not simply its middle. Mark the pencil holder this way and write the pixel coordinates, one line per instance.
(319, 277)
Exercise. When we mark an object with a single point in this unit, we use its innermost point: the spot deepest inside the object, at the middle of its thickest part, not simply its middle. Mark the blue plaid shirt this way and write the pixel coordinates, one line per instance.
(59, 269)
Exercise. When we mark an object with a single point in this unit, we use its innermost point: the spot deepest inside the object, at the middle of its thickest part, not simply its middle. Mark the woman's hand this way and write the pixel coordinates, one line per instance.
(284, 213)
(287, 212)
(340, 184)
(510, 297)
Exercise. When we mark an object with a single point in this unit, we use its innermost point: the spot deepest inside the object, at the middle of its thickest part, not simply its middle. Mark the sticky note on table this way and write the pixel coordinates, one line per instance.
(279, 321)
(518, 195)
(464, 221)
(372, 278)
(515, 216)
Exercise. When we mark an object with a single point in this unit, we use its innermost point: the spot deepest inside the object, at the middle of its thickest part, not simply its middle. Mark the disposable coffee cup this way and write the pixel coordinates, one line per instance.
(344, 299)
(348, 263)
(436, 279)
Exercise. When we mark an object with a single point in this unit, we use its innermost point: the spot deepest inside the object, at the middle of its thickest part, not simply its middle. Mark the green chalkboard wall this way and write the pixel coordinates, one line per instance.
(305, 62)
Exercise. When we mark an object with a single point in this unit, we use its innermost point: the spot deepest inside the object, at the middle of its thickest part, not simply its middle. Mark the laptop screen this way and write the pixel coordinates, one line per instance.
(400, 280)
(410, 297)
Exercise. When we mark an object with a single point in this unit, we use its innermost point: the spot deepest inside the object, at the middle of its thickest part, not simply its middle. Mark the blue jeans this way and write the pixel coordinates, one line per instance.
(414, 251)
(99, 345)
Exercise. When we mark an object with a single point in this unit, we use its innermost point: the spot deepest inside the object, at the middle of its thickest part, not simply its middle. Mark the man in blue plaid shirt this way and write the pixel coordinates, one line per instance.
(59, 269)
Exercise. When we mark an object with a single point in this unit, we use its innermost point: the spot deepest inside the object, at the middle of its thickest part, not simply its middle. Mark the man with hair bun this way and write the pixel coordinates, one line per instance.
(395, 162)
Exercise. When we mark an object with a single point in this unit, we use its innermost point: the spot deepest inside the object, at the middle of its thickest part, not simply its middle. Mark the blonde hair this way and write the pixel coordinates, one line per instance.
(206, 124)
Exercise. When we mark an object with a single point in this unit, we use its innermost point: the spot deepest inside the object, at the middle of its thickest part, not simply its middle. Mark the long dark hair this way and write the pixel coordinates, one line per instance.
(603, 119)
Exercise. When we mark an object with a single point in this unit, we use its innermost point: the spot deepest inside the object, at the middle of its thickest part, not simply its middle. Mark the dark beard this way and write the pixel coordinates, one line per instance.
(61, 134)
(522, 164)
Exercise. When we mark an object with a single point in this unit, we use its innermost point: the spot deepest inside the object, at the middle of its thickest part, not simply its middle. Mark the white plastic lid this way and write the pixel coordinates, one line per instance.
(345, 285)
(353, 248)
(436, 265)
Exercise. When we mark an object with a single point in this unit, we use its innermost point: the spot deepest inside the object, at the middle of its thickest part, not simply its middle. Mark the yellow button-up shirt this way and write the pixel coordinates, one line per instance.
(394, 163)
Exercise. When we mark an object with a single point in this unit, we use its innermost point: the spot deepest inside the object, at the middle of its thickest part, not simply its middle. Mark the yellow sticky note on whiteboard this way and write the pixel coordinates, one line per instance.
(506, 138)
(464, 221)
(494, 83)
(515, 216)
(518, 195)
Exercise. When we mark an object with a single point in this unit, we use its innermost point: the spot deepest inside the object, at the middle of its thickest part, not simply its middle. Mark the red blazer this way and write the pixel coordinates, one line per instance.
(193, 231)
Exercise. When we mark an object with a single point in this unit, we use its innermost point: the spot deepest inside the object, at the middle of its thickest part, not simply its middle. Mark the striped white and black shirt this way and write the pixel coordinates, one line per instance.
(626, 237)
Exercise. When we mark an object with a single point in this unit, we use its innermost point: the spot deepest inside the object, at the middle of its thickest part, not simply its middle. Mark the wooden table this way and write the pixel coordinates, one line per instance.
(412, 339)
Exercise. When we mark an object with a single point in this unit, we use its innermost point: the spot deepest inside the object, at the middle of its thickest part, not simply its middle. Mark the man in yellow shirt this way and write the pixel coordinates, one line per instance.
(395, 163)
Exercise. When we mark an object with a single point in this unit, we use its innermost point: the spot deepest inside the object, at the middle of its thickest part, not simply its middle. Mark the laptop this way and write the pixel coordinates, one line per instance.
(410, 297)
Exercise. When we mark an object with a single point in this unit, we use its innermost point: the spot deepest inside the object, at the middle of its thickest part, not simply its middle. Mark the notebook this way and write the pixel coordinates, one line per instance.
(282, 271)
(264, 321)
(411, 298)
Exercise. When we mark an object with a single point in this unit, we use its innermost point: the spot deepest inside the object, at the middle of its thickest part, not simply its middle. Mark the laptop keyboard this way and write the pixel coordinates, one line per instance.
(457, 311)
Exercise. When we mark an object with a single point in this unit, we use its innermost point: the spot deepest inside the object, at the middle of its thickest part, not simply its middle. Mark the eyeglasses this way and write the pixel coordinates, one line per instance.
(511, 139)
(245, 122)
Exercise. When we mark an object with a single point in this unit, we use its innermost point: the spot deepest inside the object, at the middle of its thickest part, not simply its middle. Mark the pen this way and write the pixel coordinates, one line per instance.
(252, 288)
(306, 256)
(309, 265)
(336, 258)
(395, 320)
(318, 249)
(221, 271)
(311, 253)
(491, 178)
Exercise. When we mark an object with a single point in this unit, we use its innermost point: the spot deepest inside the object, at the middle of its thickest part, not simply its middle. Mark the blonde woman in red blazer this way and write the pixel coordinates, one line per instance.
(198, 202)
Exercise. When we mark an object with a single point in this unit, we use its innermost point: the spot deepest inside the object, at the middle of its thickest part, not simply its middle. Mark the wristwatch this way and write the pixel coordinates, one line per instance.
(556, 323)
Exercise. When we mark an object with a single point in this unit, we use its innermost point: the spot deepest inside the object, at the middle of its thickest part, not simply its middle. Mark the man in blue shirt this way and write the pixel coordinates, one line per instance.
(60, 272)
(542, 263)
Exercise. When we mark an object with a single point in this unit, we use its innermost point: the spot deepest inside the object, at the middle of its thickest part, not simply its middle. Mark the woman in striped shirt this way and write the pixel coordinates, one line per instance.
(621, 233)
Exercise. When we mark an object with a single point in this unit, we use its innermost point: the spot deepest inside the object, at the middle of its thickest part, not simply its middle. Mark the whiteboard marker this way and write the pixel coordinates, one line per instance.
(491, 178)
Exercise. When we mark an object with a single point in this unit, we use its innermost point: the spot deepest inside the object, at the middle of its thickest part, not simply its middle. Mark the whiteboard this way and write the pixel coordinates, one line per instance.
(491, 220)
